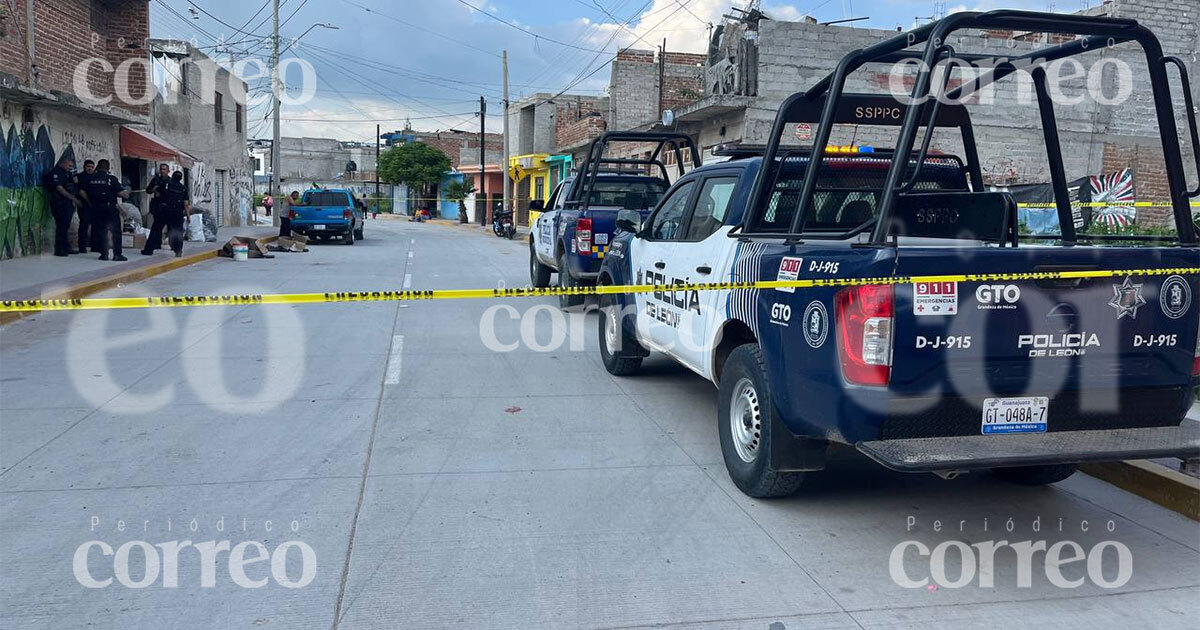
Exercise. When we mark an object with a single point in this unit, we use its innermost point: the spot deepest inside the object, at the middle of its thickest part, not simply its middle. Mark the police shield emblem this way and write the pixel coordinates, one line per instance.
(1175, 297)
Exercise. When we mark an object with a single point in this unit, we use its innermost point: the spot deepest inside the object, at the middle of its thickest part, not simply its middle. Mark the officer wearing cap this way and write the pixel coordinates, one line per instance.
(60, 184)
(87, 236)
(157, 192)
(102, 190)
(173, 209)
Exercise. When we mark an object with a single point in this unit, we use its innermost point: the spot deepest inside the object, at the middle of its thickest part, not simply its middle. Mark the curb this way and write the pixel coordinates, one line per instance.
(1151, 481)
(126, 277)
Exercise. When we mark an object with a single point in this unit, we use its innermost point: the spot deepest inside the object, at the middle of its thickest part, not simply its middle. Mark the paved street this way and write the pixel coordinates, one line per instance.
(440, 483)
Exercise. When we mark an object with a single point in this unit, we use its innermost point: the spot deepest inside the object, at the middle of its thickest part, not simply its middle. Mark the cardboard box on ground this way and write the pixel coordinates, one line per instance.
(259, 249)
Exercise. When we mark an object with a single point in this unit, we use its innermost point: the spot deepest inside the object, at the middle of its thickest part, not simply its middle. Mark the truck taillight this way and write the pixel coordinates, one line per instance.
(346, 214)
(291, 214)
(583, 236)
(1196, 359)
(864, 319)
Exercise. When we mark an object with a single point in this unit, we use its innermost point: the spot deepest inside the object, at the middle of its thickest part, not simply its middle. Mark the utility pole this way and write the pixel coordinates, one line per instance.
(662, 63)
(276, 81)
(484, 215)
(504, 112)
(377, 134)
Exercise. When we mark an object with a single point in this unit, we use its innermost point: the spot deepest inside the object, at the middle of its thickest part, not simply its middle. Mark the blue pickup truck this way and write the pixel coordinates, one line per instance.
(571, 236)
(326, 213)
(921, 327)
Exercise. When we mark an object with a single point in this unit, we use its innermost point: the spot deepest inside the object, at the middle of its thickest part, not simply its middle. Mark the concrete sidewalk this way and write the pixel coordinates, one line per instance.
(51, 277)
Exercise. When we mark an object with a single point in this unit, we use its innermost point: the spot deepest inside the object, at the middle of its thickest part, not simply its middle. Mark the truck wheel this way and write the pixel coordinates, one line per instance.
(1036, 475)
(619, 348)
(745, 415)
(348, 237)
(539, 274)
(565, 281)
(358, 234)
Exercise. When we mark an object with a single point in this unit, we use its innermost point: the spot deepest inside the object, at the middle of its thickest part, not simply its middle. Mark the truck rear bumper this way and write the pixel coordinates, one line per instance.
(973, 452)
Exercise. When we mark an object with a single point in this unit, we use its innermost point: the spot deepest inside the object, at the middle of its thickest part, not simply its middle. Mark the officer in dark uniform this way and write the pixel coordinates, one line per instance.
(60, 184)
(87, 236)
(102, 190)
(173, 209)
(156, 190)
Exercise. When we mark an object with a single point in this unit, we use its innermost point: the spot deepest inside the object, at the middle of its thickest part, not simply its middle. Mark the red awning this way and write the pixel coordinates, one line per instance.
(147, 146)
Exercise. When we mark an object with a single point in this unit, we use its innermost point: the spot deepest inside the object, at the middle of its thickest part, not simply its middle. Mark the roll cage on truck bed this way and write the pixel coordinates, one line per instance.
(595, 161)
(909, 406)
(835, 106)
(573, 234)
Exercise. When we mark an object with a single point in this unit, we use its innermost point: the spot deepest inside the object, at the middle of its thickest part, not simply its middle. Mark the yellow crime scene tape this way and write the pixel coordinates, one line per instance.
(18, 306)
(1106, 204)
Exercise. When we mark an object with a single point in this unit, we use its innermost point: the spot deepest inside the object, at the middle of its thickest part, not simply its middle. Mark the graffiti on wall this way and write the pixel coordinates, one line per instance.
(25, 155)
(90, 147)
(202, 184)
(241, 192)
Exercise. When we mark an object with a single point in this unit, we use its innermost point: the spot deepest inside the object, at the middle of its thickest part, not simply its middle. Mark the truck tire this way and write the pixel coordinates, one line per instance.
(565, 281)
(745, 415)
(1036, 475)
(619, 348)
(348, 237)
(358, 234)
(539, 274)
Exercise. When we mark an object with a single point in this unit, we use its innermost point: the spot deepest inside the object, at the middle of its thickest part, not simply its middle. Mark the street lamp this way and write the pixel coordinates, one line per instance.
(276, 89)
(332, 27)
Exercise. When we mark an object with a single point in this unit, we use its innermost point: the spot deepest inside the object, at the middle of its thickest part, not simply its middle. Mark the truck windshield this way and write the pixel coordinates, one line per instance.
(629, 195)
(326, 198)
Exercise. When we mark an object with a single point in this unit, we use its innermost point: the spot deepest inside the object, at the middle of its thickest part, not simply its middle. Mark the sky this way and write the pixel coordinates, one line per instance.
(429, 61)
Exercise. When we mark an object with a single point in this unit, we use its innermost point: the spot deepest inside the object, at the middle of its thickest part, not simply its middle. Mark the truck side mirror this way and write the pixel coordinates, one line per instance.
(629, 220)
(536, 204)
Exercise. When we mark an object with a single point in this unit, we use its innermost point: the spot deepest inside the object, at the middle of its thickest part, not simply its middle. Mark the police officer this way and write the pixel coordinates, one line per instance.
(60, 184)
(157, 192)
(87, 236)
(102, 190)
(174, 209)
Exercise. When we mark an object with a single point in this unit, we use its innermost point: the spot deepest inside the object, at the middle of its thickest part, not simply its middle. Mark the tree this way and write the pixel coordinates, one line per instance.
(414, 164)
(458, 190)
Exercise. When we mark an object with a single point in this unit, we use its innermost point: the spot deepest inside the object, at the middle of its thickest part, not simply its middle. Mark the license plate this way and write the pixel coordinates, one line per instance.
(318, 227)
(602, 239)
(1014, 415)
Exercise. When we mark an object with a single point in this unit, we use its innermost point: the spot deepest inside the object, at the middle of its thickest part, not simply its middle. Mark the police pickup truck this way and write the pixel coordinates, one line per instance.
(921, 328)
(572, 236)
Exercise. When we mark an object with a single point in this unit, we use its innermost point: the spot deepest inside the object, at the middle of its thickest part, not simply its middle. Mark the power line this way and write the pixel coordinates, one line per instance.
(702, 20)
(366, 83)
(523, 29)
(597, 69)
(289, 18)
(424, 29)
(373, 120)
(201, 9)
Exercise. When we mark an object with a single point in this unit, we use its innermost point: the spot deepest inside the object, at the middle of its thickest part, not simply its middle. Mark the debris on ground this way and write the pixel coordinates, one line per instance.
(256, 249)
(293, 243)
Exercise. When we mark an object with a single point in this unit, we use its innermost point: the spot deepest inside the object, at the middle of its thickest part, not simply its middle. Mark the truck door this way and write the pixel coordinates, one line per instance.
(698, 256)
(657, 316)
(544, 226)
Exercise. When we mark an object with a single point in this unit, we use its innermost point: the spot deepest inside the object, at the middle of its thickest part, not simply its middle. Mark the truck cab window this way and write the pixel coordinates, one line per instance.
(667, 222)
(710, 207)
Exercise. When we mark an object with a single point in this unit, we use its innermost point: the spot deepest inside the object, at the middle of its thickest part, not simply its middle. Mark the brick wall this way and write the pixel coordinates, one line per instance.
(67, 32)
(683, 79)
(1150, 176)
(634, 90)
(579, 131)
(578, 120)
